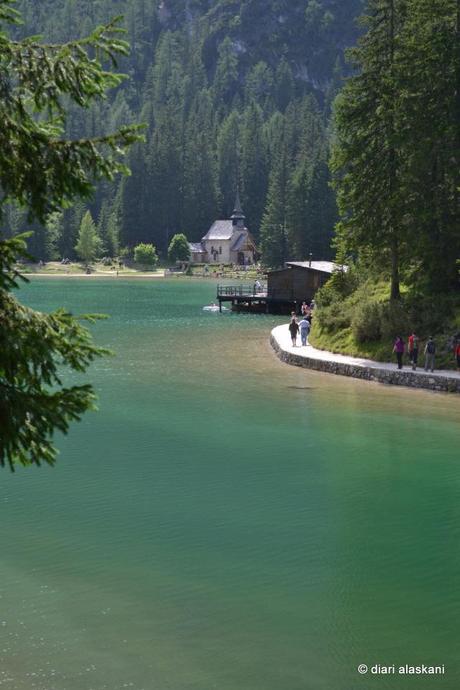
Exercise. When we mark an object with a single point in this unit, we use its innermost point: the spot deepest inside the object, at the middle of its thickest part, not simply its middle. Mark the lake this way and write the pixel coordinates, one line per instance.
(226, 521)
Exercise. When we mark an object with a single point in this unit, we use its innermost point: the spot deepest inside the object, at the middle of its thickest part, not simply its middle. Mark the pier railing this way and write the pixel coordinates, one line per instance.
(262, 292)
(242, 291)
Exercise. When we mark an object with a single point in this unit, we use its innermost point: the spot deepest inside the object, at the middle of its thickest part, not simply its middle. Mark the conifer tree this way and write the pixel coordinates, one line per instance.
(89, 243)
(166, 178)
(429, 111)
(113, 234)
(135, 198)
(15, 219)
(228, 167)
(254, 166)
(311, 212)
(273, 230)
(284, 85)
(259, 86)
(54, 229)
(366, 159)
(226, 78)
(69, 238)
(199, 174)
(167, 67)
(102, 225)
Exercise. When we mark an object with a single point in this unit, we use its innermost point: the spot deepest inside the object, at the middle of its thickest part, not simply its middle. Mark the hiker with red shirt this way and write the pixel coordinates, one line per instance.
(457, 353)
(398, 349)
(413, 350)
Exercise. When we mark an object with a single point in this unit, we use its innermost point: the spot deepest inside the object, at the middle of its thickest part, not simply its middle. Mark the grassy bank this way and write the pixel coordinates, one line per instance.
(227, 272)
(361, 321)
(74, 268)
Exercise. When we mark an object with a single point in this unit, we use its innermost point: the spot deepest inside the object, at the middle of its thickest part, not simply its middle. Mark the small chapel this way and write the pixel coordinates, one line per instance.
(226, 242)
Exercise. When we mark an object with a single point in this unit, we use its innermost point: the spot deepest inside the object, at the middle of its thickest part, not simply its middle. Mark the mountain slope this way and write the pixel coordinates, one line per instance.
(219, 85)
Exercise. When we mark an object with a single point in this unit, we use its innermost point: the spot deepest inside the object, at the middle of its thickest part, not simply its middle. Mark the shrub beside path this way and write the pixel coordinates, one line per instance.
(344, 365)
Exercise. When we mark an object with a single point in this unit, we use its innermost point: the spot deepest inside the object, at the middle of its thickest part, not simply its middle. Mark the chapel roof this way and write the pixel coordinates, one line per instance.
(220, 230)
(197, 248)
(238, 213)
(239, 242)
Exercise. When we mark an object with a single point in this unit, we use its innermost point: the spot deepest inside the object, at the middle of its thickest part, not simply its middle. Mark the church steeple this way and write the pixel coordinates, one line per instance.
(238, 216)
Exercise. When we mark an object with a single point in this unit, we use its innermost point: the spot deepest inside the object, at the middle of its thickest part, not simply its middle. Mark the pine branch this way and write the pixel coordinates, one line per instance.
(8, 14)
(45, 72)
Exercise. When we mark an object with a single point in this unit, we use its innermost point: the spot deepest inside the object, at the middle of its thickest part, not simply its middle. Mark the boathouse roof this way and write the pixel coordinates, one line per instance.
(322, 266)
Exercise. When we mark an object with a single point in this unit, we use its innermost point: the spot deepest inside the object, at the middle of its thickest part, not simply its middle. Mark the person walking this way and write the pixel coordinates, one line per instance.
(294, 329)
(304, 326)
(430, 352)
(413, 350)
(457, 353)
(398, 349)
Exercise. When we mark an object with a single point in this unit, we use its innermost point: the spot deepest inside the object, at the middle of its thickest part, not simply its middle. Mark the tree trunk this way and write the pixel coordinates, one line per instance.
(395, 293)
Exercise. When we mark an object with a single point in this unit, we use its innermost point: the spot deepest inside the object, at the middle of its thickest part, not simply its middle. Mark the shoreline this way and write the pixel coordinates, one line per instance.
(366, 369)
(176, 276)
(94, 275)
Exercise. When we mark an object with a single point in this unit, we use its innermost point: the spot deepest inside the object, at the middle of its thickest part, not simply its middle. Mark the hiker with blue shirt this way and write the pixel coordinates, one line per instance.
(304, 326)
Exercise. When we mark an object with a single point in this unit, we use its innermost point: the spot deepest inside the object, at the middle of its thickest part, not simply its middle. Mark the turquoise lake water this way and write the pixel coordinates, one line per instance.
(226, 521)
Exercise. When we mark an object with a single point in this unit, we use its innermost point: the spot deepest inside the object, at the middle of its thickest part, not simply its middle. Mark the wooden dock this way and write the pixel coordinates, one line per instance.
(258, 300)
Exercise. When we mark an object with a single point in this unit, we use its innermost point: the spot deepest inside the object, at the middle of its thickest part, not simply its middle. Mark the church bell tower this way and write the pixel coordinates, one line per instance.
(238, 216)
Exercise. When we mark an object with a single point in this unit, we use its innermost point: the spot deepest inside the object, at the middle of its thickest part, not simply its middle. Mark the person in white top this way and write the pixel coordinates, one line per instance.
(304, 326)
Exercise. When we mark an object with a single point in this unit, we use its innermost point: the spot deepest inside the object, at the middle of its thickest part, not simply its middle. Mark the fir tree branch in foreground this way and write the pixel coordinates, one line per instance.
(33, 349)
(41, 170)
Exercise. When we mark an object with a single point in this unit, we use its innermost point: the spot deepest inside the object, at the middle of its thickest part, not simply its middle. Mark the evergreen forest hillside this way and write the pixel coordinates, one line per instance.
(233, 93)
(396, 168)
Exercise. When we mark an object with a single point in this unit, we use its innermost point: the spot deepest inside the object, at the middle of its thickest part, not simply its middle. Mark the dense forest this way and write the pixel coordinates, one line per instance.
(232, 93)
(396, 168)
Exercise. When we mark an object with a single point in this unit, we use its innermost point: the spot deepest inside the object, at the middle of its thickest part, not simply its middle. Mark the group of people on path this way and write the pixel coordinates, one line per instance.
(413, 346)
(399, 347)
(304, 326)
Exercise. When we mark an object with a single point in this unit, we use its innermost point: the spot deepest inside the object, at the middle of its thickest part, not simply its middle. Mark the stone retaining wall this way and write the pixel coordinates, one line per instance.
(392, 377)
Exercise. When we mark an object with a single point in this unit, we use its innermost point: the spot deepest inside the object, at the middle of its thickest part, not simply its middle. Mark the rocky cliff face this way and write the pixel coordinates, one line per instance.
(310, 34)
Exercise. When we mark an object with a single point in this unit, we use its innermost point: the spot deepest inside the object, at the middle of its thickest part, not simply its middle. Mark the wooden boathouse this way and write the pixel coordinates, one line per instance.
(286, 288)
